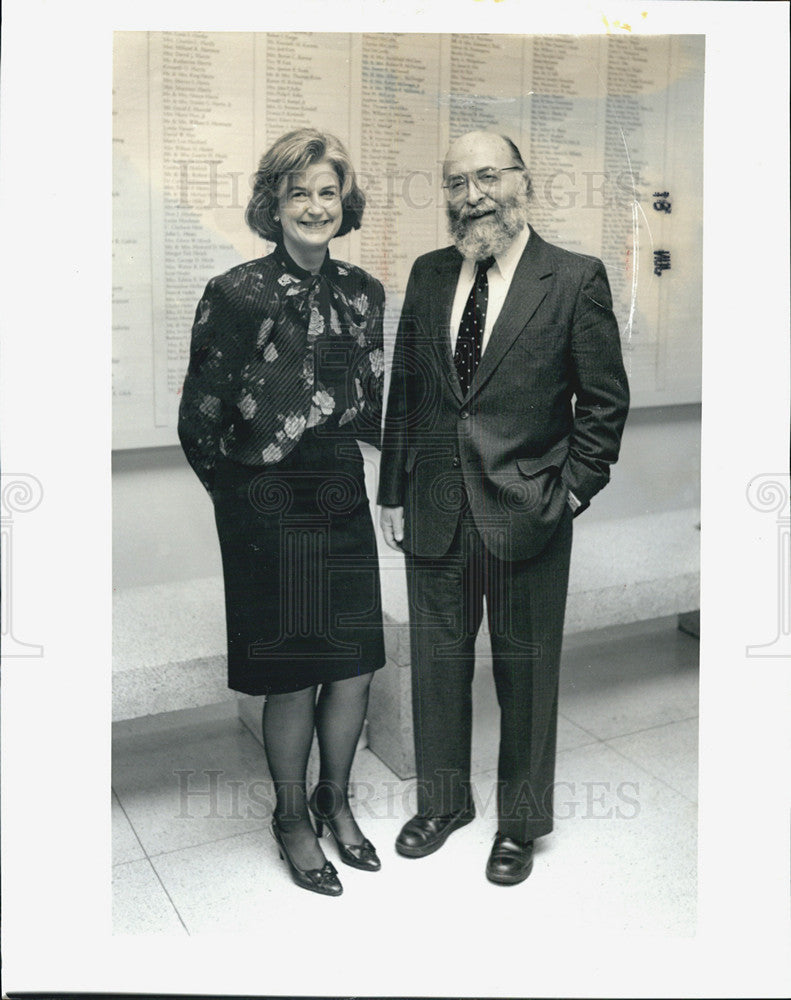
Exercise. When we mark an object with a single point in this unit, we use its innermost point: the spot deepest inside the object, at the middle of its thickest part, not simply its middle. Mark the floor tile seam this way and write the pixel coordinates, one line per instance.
(616, 690)
(377, 758)
(221, 770)
(212, 840)
(129, 821)
(593, 737)
(170, 898)
(129, 861)
(648, 729)
(185, 733)
(399, 787)
(150, 864)
(484, 771)
(385, 764)
(637, 732)
(232, 728)
(656, 777)
(595, 741)
(362, 814)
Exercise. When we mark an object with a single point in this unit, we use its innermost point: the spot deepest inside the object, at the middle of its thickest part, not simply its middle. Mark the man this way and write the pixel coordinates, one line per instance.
(506, 407)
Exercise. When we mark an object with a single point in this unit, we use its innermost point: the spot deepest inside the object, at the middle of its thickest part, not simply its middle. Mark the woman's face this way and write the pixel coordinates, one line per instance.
(310, 209)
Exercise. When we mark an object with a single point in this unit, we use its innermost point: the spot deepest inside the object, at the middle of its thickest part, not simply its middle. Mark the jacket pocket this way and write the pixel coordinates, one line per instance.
(554, 458)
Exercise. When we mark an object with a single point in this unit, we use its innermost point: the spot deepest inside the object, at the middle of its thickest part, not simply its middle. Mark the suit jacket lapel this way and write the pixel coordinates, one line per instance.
(528, 288)
(448, 269)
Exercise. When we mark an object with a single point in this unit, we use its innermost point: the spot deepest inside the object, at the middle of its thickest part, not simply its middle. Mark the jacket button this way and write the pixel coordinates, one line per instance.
(456, 461)
(464, 414)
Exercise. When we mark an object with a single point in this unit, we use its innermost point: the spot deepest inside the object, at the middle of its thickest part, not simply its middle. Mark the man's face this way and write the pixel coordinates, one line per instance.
(486, 209)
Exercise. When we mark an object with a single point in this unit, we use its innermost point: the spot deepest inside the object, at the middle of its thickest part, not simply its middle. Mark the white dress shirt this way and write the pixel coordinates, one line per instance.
(499, 276)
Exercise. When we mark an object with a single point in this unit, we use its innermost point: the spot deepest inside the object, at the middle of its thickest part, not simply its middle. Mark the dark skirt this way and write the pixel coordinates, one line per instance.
(302, 593)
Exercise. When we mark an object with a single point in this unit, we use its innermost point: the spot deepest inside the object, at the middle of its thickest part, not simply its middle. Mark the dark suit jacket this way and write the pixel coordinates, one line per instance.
(544, 414)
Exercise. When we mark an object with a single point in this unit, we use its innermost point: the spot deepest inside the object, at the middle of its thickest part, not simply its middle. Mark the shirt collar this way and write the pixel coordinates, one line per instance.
(509, 258)
(281, 254)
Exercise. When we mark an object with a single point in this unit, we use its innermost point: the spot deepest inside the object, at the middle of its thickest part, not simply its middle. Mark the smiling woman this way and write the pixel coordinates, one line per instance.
(286, 371)
(310, 212)
(282, 171)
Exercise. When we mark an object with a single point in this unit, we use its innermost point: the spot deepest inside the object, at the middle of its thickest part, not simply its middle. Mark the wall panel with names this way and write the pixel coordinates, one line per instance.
(610, 127)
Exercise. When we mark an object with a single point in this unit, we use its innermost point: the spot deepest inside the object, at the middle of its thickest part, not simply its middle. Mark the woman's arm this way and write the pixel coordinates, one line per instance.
(210, 376)
(368, 370)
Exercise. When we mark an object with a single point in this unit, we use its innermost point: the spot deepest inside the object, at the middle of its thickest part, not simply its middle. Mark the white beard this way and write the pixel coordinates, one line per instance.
(476, 238)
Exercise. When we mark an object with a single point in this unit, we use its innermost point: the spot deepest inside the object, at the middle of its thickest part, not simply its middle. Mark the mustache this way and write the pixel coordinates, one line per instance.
(474, 213)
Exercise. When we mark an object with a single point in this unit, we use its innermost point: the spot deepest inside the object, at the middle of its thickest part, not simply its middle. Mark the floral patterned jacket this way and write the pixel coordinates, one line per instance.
(276, 349)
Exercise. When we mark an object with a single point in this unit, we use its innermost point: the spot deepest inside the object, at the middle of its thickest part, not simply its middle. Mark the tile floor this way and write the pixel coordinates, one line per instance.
(191, 800)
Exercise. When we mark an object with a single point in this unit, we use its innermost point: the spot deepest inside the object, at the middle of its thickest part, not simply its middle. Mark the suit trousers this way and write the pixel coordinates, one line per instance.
(525, 605)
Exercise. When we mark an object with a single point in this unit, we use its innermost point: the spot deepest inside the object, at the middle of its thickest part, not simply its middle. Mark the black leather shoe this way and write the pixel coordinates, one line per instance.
(362, 856)
(510, 861)
(423, 835)
(323, 880)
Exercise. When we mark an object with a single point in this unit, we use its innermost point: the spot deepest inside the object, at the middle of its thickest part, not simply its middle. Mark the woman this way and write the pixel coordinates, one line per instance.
(285, 373)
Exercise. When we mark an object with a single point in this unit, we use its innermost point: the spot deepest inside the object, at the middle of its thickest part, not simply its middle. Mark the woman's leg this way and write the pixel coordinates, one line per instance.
(288, 721)
(340, 714)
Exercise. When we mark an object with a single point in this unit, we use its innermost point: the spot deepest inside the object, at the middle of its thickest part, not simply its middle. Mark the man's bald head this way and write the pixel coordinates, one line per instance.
(488, 149)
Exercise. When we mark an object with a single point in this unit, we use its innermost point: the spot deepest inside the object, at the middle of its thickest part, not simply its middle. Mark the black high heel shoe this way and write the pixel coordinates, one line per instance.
(362, 856)
(323, 880)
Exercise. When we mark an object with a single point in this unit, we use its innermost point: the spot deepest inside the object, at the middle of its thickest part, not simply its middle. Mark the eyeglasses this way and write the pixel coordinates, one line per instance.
(485, 179)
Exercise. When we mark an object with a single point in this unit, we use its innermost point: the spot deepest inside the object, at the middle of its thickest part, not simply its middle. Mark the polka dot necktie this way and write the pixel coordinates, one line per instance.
(473, 320)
